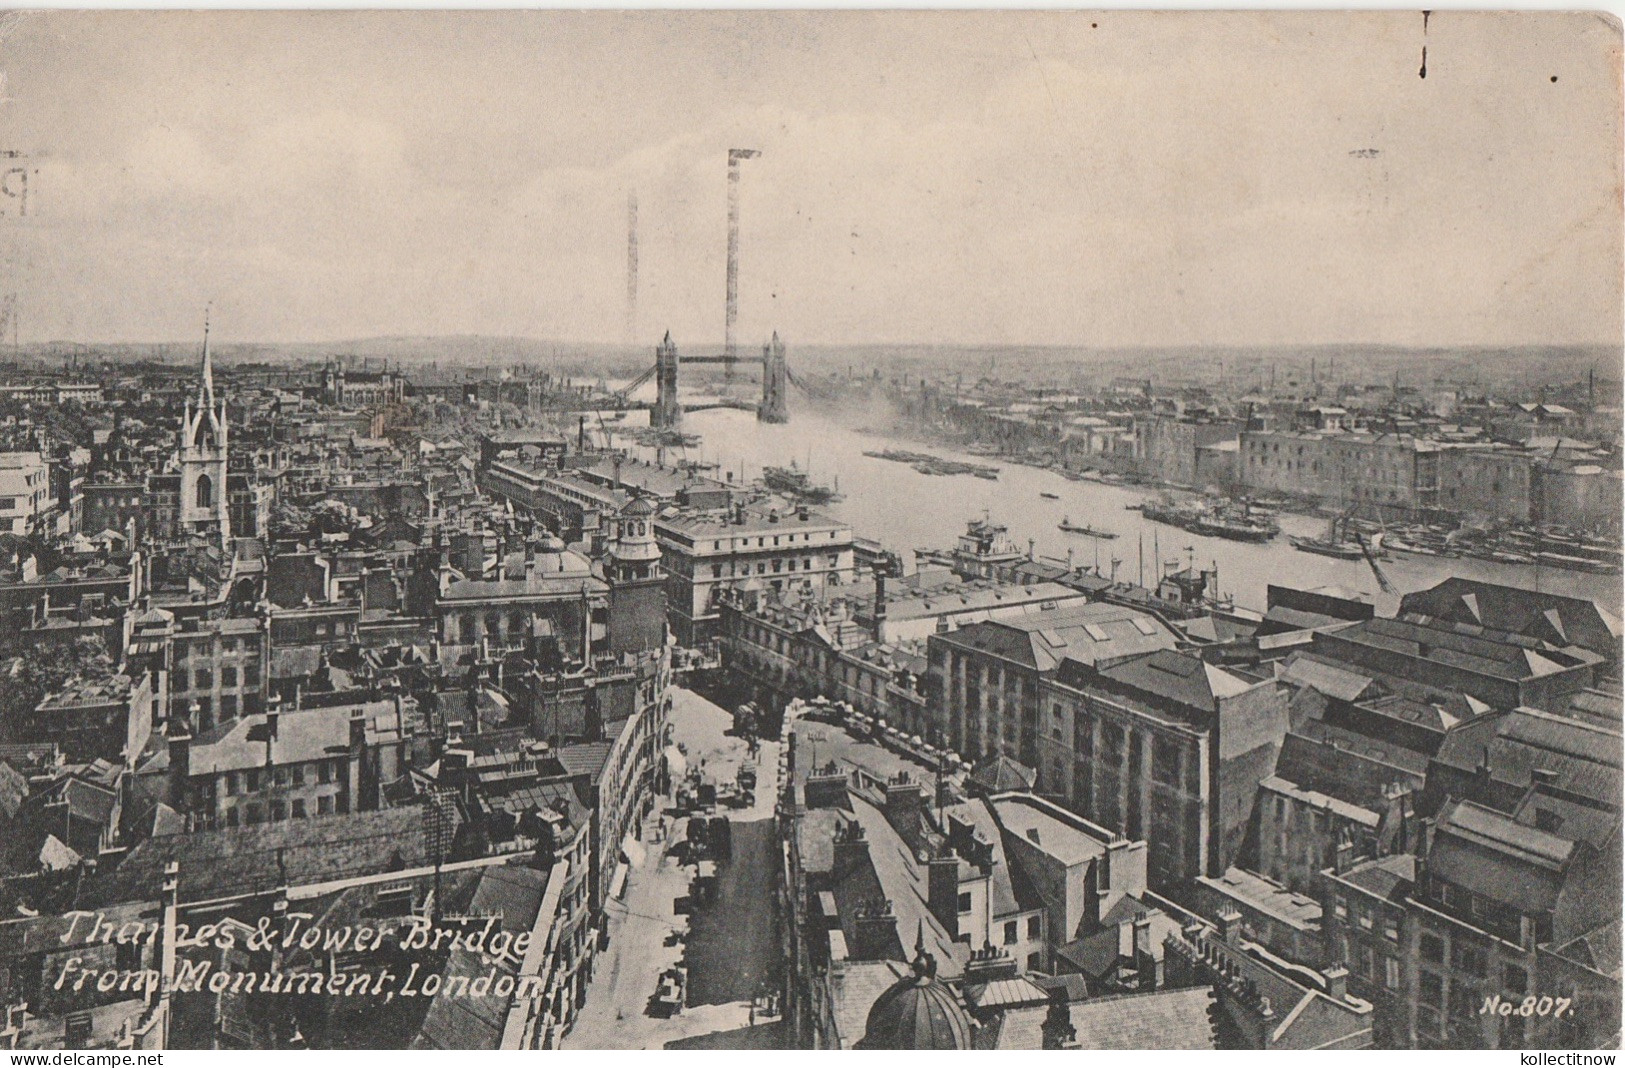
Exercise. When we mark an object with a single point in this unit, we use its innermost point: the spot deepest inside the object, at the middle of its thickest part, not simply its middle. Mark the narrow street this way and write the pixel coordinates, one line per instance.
(730, 945)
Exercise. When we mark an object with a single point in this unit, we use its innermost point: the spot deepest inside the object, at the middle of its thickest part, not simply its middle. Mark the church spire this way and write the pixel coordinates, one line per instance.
(206, 380)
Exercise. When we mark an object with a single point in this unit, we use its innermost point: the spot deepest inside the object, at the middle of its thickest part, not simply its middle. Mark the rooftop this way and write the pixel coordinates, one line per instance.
(1057, 832)
(1085, 633)
(697, 524)
(1266, 896)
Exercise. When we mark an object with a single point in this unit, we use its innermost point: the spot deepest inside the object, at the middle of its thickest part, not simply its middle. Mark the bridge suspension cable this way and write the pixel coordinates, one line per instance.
(633, 386)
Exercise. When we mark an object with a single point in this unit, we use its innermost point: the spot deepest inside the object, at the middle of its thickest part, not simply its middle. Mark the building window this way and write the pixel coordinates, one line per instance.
(1390, 973)
(205, 492)
(1164, 761)
(1390, 928)
(1431, 989)
(1035, 927)
(279, 811)
(1468, 958)
(324, 805)
(1035, 962)
(203, 679)
(1433, 949)
(964, 902)
(251, 673)
(228, 676)
(298, 808)
(1010, 936)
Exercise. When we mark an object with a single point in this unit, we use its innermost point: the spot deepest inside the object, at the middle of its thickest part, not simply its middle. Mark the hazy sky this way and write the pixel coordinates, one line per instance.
(1107, 179)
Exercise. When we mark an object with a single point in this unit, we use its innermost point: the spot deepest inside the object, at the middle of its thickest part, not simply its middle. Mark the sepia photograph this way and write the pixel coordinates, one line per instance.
(810, 530)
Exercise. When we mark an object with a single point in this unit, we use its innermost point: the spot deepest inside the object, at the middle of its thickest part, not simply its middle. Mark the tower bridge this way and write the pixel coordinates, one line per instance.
(667, 411)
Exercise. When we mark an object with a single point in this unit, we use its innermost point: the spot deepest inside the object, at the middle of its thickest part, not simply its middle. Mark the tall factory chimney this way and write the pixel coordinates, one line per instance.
(729, 350)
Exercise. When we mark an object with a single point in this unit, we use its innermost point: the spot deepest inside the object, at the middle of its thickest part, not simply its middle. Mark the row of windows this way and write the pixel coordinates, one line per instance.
(1035, 929)
(229, 706)
(277, 811)
(761, 543)
(1370, 964)
(229, 645)
(1366, 917)
(203, 678)
(737, 569)
(253, 779)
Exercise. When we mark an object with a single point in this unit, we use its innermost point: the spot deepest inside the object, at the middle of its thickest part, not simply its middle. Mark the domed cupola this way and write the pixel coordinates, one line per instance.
(918, 1011)
(635, 550)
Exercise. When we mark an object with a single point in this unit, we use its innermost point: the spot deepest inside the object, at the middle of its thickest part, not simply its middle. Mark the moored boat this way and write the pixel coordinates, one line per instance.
(1341, 550)
(1072, 528)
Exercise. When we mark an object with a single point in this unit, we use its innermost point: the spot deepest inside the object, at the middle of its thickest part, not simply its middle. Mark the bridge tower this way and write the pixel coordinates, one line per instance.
(668, 410)
(775, 378)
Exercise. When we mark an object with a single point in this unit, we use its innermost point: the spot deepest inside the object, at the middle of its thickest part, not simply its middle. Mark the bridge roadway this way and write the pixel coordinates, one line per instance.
(610, 404)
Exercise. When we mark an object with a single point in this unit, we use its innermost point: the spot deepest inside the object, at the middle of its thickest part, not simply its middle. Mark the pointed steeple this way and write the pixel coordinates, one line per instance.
(206, 380)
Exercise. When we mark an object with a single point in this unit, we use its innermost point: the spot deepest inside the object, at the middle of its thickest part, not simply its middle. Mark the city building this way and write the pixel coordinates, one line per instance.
(745, 548)
(1164, 748)
(25, 491)
(985, 679)
(1388, 476)
(344, 388)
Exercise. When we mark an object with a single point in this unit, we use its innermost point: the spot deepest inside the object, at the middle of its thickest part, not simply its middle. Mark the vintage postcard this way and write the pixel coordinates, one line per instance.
(818, 530)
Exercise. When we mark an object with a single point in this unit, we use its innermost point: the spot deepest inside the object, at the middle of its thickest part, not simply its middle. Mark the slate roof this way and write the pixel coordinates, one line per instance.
(515, 895)
(859, 986)
(1510, 608)
(1492, 855)
(1164, 1019)
(1495, 655)
(1087, 633)
(575, 579)
(1597, 949)
(239, 860)
(1389, 878)
(585, 758)
(1306, 1016)
(903, 881)
(303, 735)
(1180, 678)
(1010, 891)
(1000, 773)
(1266, 896)
(1005, 993)
(1053, 830)
(1333, 680)
(1584, 758)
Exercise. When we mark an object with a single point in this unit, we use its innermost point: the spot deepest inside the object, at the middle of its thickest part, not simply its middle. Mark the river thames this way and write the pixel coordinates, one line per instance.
(903, 509)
